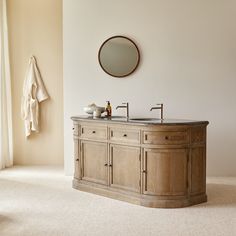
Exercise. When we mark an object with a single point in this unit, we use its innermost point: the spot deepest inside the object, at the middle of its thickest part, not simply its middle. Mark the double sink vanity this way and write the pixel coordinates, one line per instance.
(145, 161)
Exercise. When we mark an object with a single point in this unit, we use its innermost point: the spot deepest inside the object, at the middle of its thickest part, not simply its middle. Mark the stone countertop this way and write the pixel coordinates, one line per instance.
(149, 121)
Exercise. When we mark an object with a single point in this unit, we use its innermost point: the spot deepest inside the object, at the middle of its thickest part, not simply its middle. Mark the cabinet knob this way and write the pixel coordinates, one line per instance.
(77, 159)
(144, 171)
(73, 128)
(110, 165)
(166, 137)
(105, 164)
(94, 132)
(125, 135)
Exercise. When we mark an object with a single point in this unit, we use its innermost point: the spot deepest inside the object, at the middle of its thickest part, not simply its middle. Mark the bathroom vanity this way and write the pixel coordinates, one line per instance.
(150, 162)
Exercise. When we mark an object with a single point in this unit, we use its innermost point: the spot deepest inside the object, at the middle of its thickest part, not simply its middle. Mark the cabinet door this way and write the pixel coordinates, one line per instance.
(198, 170)
(125, 166)
(94, 162)
(165, 172)
(77, 161)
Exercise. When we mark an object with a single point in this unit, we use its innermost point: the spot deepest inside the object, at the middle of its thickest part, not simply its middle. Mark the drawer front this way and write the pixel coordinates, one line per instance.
(124, 135)
(198, 134)
(93, 132)
(165, 137)
(75, 129)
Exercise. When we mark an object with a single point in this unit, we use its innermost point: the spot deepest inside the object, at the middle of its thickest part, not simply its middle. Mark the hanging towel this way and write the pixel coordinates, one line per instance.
(34, 92)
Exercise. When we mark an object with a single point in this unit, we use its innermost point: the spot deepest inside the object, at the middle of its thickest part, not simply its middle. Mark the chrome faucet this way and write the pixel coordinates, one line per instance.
(160, 107)
(126, 105)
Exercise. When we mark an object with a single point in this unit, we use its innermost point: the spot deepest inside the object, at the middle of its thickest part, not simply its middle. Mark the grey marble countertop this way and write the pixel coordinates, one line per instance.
(138, 120)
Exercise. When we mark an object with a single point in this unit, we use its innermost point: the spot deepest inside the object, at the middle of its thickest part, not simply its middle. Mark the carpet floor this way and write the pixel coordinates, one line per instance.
(40, 201)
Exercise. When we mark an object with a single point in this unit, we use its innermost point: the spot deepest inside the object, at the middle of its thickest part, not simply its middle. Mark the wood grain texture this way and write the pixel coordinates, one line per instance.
(153, 166)
(165, 172)
(94, 162)
(125, 164)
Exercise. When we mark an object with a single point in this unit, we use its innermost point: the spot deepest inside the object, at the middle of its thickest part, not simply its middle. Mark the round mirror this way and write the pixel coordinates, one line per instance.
(118, 56)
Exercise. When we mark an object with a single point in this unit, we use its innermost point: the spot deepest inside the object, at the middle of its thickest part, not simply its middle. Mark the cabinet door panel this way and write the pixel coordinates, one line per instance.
(94, 162)
(125, 164)
(165, 171)
(77, 161)
(198, 173)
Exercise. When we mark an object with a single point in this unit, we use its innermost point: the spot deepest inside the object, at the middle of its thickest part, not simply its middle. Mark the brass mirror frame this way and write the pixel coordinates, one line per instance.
(138, 55)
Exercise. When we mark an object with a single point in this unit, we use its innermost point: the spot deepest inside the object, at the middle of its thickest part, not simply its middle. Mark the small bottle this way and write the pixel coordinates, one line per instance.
(108, 109)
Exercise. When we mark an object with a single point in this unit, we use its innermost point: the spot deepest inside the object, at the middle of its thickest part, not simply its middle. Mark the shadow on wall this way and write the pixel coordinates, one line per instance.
(5, 222)
(221, 195)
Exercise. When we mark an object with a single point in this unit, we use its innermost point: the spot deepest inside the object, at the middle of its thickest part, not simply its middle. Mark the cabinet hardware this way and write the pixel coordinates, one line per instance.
(77, 159)
(94, 132)
(166, 137)
(110, 165)
(125, 135)
(105, 164)
(73, 128)
(144, 171)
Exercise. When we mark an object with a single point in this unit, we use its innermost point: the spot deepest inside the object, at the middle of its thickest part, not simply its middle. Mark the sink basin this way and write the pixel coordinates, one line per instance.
(144, 119)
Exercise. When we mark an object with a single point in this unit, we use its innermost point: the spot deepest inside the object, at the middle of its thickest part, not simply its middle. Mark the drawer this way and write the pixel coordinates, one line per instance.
(165, 137)
(124, 135)
(75, 129)
(94, 132)
(198, 134)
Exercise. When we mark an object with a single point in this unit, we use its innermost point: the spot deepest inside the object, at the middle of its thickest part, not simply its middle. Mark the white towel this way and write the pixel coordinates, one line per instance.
(34, 92)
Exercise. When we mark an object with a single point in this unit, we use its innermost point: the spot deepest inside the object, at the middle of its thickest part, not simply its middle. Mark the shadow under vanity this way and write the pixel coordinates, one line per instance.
(153, 163)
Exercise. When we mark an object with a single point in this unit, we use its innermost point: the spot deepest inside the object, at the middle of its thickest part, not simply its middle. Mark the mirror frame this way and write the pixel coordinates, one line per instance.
(138, 55)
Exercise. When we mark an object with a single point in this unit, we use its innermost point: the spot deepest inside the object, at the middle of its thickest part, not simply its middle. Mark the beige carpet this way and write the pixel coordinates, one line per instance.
(40, 201)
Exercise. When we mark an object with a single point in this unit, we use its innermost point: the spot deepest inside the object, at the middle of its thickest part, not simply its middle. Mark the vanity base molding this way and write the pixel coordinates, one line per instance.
(154, 165)
(138, 199)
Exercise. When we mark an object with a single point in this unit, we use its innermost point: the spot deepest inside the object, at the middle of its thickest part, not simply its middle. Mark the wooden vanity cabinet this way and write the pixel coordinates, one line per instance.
(165, 172)
(94, 162)
(150, 165)
(125, 163)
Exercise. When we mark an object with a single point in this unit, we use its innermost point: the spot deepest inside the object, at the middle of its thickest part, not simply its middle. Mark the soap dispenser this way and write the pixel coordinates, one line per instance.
(108, 109)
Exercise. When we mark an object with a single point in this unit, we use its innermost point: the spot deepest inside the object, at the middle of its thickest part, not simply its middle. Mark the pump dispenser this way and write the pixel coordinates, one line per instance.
(108, 109)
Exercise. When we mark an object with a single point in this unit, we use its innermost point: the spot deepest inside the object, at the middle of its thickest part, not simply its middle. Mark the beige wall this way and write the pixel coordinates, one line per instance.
(188, 62)
(35, 27)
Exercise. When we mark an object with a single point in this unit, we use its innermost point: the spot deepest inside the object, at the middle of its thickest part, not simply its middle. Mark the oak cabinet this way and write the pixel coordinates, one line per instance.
(94, 161)
(125, 162)
(198, 172)
(165, 172)
(153, 165)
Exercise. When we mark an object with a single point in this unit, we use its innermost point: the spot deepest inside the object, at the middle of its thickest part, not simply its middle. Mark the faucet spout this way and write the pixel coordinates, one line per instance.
(120, 107)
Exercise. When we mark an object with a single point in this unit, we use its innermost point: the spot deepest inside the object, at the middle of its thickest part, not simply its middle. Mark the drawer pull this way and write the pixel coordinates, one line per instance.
(105, 164)
(77, 159)
(94, 132)
(110, 165)
(125, 135)
(166, 137)
(144, 171)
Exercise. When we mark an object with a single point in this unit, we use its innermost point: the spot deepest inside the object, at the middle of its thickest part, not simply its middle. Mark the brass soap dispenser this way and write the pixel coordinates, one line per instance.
(108, 109)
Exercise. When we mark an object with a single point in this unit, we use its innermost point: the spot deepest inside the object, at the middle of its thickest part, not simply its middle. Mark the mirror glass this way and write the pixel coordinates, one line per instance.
(119, 56)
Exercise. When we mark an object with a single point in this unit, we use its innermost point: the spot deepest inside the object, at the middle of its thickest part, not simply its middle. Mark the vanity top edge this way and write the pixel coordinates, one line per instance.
(153, 121)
